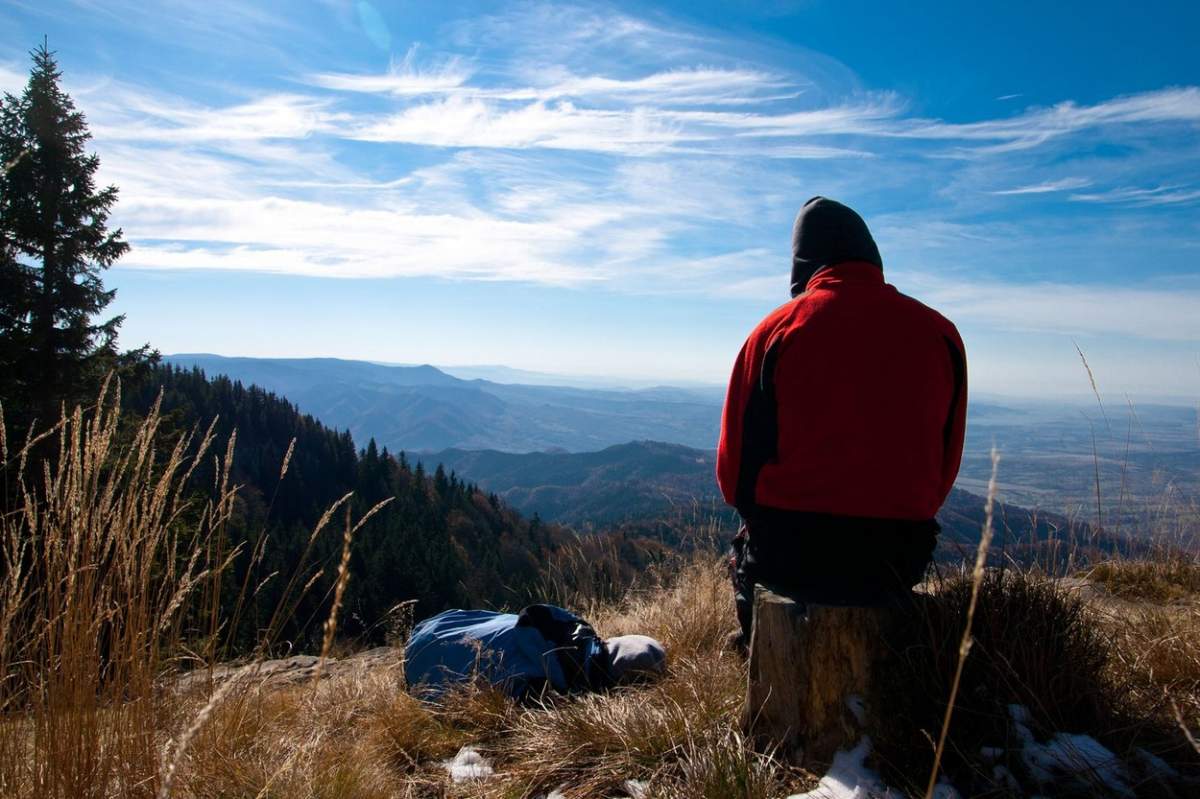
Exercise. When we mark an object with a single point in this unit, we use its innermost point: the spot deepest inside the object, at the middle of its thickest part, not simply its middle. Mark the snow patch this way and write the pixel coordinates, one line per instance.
(1067, 756)
(468, 764)
(849, 778)
(636, 788)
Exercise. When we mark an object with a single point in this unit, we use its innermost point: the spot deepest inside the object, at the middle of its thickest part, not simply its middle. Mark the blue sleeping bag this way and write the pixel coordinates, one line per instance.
(523, 654)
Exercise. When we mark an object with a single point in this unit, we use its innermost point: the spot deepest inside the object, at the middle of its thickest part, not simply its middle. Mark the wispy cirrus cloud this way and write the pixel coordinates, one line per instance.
(691, 86)
(1048, 187)
(699, 85)
(1038, 126)
(403, 79)
(562, 126)
(677, 109)
(330, 240)
(656, 97)
(1159, 195)
(135, 116)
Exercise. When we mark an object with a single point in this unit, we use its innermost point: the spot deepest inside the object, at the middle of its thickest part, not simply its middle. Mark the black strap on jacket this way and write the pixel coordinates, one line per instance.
(960, 374)
(760, 430)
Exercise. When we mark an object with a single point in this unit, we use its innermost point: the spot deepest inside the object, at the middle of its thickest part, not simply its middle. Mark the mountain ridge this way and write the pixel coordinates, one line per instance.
(423, 408)
(1053, 455)
(644, 480)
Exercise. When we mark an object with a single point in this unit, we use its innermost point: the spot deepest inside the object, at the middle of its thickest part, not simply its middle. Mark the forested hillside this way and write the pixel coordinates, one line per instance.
(441, 541)
(653, 480)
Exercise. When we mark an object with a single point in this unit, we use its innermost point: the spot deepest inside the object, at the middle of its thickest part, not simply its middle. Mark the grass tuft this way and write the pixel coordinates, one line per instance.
(1171, 577)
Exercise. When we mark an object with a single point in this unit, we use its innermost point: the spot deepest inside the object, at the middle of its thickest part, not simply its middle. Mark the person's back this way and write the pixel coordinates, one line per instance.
(843, 425)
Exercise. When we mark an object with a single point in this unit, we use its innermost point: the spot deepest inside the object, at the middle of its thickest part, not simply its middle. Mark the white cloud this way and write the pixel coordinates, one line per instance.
(402, 79)
(419, 226)
(1063, 184)
(619, 152)
(12, 78)
(683, 101)
(699, 85)
(277, 235)
(695, 86)
(1159, 195)
(1038, 126)
(1166, 313)
(461, 121)
(475, 123)
(129, 115)
(677, 110)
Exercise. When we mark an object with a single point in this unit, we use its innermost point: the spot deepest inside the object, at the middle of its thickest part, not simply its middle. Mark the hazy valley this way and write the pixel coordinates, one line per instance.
(1052, 454)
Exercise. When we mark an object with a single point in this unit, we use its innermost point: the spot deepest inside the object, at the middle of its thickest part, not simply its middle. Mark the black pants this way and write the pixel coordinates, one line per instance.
(832, 560)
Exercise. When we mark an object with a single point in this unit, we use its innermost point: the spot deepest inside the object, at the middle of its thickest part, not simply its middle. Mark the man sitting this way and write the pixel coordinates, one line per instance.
(542, 648)
(843, 427)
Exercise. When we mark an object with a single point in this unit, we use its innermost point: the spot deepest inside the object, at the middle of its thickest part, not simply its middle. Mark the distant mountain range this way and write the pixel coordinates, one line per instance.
(1051, 452)
(644, 480)
(421, 408)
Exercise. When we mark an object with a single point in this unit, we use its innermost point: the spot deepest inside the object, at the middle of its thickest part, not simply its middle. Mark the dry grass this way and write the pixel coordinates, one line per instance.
(360, 735)
(298, 742)
(1155, 657)
(1170, 577)
(110, 573)
(98, 575)
(1035, 643)
(107, 585)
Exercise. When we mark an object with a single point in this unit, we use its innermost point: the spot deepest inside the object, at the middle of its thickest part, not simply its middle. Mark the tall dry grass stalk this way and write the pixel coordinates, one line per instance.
(1187, 733)
(174, 752)
(964, 647)
(99, 570)
(343, 578)
(111, 570)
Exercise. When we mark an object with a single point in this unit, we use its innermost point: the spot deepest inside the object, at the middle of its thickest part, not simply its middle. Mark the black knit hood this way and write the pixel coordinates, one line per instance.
(827, 233)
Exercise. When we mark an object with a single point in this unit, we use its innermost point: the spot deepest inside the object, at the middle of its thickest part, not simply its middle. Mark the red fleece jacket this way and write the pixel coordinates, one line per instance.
(850, 400)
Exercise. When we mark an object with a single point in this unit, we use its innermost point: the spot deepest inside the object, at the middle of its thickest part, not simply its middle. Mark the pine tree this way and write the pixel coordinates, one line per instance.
(54, 243)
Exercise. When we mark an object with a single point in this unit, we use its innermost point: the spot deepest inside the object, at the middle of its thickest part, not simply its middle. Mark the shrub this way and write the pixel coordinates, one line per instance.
(1036, 644)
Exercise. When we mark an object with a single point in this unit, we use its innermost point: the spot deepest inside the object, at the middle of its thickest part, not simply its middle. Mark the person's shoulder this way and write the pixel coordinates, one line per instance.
(934, 317)
(777, 318)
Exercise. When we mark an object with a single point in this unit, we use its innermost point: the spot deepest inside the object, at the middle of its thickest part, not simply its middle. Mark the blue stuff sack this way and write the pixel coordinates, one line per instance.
(522, 654)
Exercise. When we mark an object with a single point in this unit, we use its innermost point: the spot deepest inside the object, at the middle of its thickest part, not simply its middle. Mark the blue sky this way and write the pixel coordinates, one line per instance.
(609, 188)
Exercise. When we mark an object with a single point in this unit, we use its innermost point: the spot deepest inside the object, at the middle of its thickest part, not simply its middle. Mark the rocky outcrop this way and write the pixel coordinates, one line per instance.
(296, 669)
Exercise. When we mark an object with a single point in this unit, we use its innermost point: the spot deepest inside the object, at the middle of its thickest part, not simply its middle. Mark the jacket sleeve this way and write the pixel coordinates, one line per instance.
(729, 448)
(956, 420)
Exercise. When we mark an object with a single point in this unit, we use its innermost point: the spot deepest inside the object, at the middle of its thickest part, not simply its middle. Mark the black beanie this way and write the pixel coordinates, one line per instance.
(827, 233)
